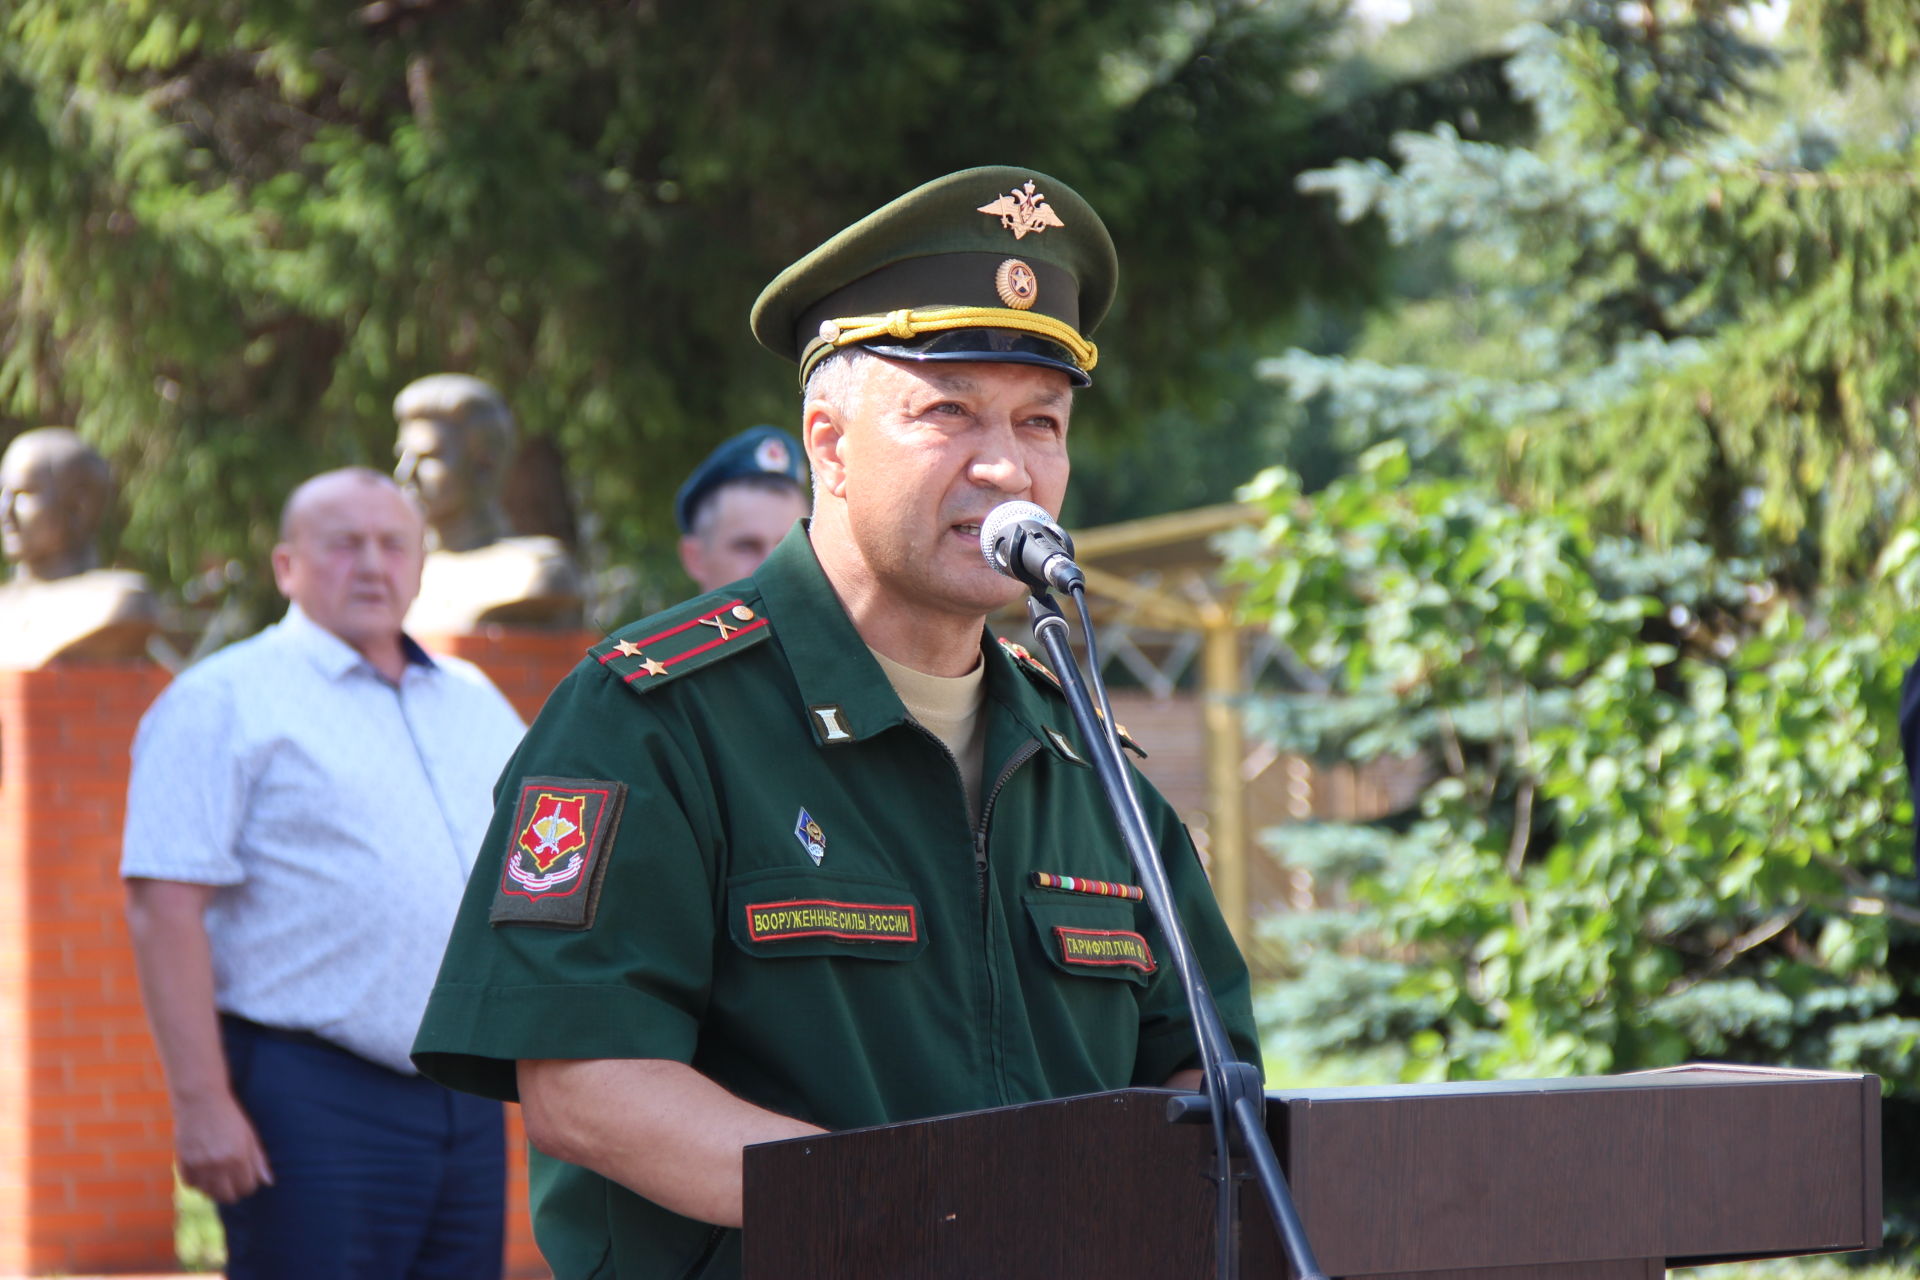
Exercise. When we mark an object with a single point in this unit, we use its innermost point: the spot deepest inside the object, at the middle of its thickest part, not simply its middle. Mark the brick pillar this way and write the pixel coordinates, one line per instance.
(525, 665)
(86, 1159)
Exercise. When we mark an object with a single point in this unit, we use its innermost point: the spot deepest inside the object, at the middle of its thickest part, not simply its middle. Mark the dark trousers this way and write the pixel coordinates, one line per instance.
(376, 1175)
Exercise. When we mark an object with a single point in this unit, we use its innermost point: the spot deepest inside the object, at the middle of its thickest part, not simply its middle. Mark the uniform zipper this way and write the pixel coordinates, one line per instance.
(1023, 753)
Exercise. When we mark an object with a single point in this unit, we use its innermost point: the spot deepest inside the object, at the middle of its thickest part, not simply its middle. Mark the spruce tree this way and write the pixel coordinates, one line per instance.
(1628, 560)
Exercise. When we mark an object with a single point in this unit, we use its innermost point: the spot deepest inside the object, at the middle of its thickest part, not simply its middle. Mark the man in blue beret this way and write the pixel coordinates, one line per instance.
(738, 504)
(816, 850)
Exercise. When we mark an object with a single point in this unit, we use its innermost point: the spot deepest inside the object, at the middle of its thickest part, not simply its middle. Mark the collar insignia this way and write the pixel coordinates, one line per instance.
(1061, 745)
(810, 836)
(828, 723)
(1023, 210)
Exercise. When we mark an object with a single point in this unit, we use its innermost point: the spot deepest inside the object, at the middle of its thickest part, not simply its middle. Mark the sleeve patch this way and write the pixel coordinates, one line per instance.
(557, 850)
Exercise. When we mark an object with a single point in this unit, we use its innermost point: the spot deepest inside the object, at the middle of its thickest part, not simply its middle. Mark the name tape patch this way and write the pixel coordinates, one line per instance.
(1104, 948)
(822, 918)
(557, 851)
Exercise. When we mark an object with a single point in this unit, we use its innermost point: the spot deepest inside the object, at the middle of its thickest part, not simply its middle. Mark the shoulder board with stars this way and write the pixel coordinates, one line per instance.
(1042, 675)
(685, 638)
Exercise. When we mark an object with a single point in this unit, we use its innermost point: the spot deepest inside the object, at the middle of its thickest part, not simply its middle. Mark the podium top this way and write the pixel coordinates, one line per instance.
(1692, 1074)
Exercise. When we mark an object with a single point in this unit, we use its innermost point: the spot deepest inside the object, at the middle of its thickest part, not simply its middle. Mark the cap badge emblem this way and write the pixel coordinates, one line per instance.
(1016, 284)
(1023, 210)
(771, 455)
(810, 836)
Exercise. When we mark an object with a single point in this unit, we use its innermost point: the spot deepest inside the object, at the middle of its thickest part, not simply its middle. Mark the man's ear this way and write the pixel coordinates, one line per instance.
(283, 569)
(690, 558)
(824, 433)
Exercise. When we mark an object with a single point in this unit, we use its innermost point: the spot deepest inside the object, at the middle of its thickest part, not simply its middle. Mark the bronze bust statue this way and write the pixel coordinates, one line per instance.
(455, 441)
(59, 603)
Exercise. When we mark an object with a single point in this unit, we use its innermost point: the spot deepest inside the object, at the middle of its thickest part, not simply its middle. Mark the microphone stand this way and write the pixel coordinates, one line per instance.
(1234, 1100)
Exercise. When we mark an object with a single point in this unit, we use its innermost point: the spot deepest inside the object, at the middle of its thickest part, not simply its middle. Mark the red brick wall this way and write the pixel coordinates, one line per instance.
(524, 664)
(86, 1159)
(86, 1154)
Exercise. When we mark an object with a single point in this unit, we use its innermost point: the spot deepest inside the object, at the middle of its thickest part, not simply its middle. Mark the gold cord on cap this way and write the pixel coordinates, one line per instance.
(905, 324)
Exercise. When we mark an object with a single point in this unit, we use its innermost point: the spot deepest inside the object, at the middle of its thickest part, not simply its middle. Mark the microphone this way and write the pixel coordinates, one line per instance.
(1021, 541)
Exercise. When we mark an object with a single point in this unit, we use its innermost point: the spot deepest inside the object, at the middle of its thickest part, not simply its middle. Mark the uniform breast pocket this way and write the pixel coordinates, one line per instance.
(1095, 940)
(782, 913)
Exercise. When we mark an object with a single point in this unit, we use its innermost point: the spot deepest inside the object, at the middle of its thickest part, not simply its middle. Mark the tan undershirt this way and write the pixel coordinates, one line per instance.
(948, 707)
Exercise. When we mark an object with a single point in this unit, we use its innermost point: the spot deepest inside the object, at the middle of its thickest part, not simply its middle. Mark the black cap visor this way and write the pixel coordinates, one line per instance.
(985, 346)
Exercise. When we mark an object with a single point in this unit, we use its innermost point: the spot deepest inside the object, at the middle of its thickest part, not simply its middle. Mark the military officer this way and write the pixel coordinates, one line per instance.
(818, 851)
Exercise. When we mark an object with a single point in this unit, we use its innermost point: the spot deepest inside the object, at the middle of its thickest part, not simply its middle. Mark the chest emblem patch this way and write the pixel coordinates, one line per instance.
(822, 918)
(810, 836)
(562, 830)
(1103, 948)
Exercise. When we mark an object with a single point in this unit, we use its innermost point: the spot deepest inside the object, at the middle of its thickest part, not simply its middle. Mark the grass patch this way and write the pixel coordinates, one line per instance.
(198, 1240)
(1842, 1266)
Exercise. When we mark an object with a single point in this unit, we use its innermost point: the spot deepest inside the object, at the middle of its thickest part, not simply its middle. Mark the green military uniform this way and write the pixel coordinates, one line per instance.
(914, 969)
(725, 842)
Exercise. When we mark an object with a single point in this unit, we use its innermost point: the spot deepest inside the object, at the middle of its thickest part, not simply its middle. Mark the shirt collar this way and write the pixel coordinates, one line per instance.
(334, 657)
(834, 669)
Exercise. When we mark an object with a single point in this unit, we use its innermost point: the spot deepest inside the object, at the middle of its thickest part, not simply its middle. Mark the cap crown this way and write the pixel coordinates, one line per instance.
(993, 248)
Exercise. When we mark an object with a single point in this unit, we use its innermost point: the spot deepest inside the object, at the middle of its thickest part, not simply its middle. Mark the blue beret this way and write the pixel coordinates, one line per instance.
(757, 451)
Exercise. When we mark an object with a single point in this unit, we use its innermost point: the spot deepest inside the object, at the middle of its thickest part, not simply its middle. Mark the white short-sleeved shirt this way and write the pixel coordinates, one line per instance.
(337, 812)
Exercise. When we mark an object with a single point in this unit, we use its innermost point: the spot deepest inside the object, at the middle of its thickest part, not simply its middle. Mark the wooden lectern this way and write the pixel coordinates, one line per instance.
(1595, 1178)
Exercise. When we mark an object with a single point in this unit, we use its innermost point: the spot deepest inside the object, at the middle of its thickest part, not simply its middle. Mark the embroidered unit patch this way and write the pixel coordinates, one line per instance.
(810, 836)
(1080, 884)
(556, 856)
(821, 918)
(1102, 948)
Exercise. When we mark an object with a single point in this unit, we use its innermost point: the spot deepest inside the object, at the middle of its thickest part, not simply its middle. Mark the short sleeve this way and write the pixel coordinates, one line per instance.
(631, 981)
(188, 789)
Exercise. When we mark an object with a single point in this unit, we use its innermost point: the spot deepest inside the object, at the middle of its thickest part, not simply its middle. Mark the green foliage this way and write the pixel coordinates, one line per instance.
(232, 231)
(1683, 333)
(1627, 563)
(1667, 817)
(1876, 34)
(198, 1240)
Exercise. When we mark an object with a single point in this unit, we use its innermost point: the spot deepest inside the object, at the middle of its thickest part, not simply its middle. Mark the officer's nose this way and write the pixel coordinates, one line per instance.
(998, 463)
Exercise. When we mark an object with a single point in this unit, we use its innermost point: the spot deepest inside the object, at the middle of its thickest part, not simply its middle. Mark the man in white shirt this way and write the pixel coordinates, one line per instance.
(303, 811)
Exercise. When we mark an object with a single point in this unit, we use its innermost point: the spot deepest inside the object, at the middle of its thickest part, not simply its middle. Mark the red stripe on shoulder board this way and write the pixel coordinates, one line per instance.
(735, 634)
(671, 631)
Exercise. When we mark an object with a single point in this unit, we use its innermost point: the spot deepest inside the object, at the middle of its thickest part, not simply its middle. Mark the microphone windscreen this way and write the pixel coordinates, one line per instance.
(999, 524)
